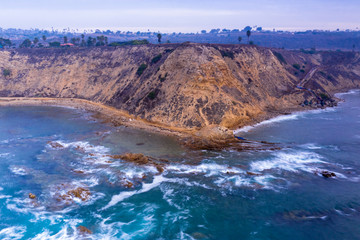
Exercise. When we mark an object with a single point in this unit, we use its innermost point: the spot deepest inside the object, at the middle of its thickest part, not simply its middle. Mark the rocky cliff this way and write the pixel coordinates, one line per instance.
(187, 85)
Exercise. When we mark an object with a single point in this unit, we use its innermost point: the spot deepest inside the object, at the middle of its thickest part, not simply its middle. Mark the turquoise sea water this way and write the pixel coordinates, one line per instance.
(200, 194)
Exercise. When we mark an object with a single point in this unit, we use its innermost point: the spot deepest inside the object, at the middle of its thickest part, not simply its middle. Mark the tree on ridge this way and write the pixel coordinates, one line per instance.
(159, 37)
(248, 34)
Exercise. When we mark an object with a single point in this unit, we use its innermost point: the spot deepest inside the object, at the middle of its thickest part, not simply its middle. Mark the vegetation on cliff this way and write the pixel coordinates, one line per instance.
(183, 86)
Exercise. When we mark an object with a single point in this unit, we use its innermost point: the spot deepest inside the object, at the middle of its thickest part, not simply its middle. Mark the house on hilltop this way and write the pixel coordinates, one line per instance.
(67, 45)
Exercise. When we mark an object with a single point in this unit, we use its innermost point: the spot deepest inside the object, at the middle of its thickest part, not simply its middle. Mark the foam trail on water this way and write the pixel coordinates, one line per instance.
(351, 92)
(289, 162)
(145, 188)
(272, 120)
(16, 232)
(282, 118)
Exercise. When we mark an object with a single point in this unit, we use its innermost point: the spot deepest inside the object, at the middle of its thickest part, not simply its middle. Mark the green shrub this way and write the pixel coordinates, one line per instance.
(227, 54)
(162, 79)
(280, 57)
(54, 44)
(152, 95)
(156, 59)
(302, 70)
(6, 72)
(141, 69)
(296, 66)
(324, 96)
(133, 42)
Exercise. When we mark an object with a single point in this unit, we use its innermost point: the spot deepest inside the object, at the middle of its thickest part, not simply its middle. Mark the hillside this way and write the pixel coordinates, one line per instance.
(188, 86)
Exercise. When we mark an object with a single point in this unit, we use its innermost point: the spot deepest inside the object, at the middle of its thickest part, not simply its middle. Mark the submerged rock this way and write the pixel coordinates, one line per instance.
(55, 145)
(199, 235)
(253, 174)
(84, 230)
(78, 171)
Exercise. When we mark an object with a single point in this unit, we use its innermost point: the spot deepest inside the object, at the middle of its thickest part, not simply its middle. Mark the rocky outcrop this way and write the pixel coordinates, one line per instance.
(184, 86)
(141, 159)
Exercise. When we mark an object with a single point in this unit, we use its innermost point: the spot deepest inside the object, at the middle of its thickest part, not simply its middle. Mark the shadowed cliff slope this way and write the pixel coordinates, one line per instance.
(183, 85)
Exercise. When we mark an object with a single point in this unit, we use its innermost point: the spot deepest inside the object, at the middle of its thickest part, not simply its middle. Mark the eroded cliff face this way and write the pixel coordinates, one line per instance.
(190, 86)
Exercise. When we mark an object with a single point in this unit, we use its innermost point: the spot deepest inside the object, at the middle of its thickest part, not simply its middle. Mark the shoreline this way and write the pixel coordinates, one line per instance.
(105, 114)
(117, 117)
(295, 114)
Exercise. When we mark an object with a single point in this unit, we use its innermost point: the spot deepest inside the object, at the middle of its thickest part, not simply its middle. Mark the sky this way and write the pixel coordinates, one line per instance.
(180, 15)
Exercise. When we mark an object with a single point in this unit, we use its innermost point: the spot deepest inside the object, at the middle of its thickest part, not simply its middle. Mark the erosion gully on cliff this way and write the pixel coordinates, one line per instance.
(186, 87)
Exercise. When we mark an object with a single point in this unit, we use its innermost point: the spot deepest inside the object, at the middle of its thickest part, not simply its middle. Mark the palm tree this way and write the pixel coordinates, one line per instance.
(248, 34)
(240, 39)
(83, 43)
(65, 39)
(159, 37)
(44, 38)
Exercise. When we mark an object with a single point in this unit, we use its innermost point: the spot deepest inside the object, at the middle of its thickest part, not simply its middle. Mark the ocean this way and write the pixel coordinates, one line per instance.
(64, 158)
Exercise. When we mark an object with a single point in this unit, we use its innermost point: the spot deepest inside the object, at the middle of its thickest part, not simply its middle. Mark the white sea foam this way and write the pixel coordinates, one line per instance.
(139, 227)
(85, 146)
(90, 182)
(15, 232)
(145, 188)
(235, 180)
(311, 146)
(277, 119)
(68, 232)
(281, 118)
(4, 196)
(209, 169)
(18, 170)
(351, 92)
(289, 161)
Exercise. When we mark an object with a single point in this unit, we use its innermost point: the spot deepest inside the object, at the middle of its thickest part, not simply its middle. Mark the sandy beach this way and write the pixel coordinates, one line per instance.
(104, 113)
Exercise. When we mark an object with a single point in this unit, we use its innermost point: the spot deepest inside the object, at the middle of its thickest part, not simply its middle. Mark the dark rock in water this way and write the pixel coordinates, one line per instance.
(160, 168)
(78, 171)
(253, 174)
(128, 184)
(32, 196)
(84, 230)
(80, 192)
(140, 159)
(137, 158)
(328, 174)
(140, 144)
(55, 145)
